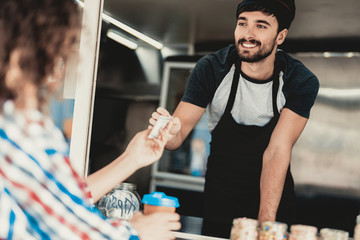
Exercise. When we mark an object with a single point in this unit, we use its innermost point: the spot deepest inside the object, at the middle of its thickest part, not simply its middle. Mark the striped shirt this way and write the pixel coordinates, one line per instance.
(41, 196)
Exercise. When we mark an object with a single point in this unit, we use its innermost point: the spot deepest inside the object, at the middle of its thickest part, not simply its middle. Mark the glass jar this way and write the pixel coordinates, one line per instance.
(333, 234)
(272, 231)
(244, 229)
(303, 232)
(121, 202)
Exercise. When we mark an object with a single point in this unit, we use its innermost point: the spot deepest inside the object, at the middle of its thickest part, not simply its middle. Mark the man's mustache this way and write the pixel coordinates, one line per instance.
(252, 41)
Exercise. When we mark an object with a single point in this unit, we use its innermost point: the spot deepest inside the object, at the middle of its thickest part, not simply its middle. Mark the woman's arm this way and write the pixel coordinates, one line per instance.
(140, 152)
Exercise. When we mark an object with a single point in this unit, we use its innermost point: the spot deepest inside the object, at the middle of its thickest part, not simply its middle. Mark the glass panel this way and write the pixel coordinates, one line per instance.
(62, 102)
(62, 111)
(191, 157)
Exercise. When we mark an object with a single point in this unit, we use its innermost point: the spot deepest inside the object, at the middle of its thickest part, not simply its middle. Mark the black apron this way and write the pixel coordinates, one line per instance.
(232, 180)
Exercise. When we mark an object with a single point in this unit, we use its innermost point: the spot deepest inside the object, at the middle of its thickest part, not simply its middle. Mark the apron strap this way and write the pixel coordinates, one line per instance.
(275, 87)
(234, 86)
(235, 82)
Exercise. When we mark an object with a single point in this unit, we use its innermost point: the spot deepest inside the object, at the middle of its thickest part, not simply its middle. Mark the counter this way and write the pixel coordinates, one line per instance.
(191, 229)
(190, 236)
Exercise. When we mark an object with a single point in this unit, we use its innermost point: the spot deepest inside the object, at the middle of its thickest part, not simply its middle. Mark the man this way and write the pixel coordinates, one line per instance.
(258, 100)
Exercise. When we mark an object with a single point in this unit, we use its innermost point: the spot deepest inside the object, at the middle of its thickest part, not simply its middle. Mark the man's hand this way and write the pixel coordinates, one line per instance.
(156, 226)
(184, 119)
(176, 124)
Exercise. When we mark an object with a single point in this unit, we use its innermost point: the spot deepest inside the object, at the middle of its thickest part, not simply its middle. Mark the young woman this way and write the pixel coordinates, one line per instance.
(41, 196)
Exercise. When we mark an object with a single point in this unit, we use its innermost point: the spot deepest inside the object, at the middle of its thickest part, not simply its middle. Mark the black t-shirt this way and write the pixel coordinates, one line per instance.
(210, 82)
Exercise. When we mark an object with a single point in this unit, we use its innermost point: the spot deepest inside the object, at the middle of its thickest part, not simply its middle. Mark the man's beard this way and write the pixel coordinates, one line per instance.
(261, 54)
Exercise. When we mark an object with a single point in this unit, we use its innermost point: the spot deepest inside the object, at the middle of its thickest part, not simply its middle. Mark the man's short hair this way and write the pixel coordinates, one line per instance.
(283, 10)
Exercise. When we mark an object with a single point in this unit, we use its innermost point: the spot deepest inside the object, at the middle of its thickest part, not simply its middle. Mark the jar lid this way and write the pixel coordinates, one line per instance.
(160, 199)
(124, 185)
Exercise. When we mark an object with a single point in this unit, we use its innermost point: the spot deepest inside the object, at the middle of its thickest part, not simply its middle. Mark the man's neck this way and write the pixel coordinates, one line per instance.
(261, 70)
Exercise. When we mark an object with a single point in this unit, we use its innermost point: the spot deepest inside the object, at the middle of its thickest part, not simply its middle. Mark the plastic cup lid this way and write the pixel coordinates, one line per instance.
(160, 199)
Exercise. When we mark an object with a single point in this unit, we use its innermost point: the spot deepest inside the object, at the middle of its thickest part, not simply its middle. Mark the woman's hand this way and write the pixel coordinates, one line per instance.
(146, 151)
(156, 226)
(176, 124)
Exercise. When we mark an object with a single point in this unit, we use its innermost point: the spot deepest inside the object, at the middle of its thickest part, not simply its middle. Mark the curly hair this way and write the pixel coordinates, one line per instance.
(43, 31)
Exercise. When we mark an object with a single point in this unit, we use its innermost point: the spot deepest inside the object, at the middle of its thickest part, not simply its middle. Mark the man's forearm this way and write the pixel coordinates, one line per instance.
(272, 180)
(175, 142)
(276, 162)
(188, 116)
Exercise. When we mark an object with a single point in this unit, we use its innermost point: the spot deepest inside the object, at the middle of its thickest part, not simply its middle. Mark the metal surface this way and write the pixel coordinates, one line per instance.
(186, 21)
(189, 236)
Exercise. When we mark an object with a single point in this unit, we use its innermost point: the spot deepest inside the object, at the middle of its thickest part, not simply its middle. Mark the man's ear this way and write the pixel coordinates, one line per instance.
(281, 36)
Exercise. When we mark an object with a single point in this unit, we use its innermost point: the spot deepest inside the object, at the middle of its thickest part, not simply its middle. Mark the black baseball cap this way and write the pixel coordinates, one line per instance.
(284, 10)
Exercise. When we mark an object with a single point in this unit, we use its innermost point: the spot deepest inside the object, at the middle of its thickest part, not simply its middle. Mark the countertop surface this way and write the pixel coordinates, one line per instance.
(191, 229)
(190, 236)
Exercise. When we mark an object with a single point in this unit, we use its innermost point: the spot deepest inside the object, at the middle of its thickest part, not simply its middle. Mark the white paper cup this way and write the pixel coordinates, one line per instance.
(160, 124)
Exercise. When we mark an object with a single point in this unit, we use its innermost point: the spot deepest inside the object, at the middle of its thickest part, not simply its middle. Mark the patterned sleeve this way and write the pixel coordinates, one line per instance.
(41, 196)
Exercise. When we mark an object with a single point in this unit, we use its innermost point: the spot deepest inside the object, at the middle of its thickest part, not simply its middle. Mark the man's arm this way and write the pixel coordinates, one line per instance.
(186, 116)
(276, 161)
